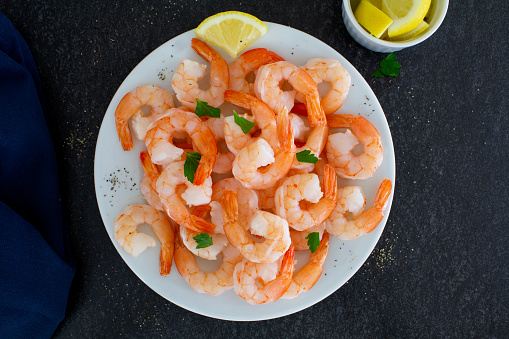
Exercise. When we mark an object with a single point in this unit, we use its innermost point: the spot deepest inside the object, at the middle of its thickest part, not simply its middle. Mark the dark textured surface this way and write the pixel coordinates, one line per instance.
(440, 267)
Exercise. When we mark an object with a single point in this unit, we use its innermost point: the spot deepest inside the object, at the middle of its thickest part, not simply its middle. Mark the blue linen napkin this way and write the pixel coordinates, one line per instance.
(36, 267)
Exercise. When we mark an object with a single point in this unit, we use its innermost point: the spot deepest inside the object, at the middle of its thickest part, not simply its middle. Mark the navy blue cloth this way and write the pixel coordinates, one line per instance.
(36, 267)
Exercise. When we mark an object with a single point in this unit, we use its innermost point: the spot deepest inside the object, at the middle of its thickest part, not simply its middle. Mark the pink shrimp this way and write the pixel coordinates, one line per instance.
(131, 105)
(185, 80)
(340, 147)
(247, 63)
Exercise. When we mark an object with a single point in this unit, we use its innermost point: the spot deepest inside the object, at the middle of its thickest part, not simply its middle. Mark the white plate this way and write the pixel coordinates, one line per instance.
(118, 174)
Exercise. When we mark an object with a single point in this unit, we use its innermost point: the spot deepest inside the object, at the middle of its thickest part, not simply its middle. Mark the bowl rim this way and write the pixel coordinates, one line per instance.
(435, 23)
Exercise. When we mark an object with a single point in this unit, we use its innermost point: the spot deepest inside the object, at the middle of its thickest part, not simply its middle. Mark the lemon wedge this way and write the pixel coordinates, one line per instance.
(371, 18)
(413, 33)
(232, 31)
(406, 14)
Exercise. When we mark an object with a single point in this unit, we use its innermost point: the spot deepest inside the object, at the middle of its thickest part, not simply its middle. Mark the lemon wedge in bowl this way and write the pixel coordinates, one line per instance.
(406, 14)
(232, 31)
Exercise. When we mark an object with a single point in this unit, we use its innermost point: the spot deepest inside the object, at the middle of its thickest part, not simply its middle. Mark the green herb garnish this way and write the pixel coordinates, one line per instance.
(203, 240)
(313, 241)
(191, 164)
(244, 124)
(306, 156)
(388, 67)
(203, 108)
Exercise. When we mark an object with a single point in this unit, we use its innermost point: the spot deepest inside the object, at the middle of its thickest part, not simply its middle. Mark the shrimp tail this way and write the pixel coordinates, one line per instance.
(230, 206)
(201, 211)
(311, 272)
(204, 169)
(316, 115)
(330, 183)
(166, 259)
(204, 50)
(382, 195)
(124, 134)
(277, 287)
(239, 98)
(271, 57)
(150, 168)
(199, 224)
(284, 131)
(327, 204)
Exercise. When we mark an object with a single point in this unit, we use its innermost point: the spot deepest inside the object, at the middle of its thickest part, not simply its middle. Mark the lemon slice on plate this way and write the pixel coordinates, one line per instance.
(406, 14)
(232, 31)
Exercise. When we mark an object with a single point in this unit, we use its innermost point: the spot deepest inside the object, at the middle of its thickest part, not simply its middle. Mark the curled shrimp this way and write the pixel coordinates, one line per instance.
(219, 241)
(263, 116)
(351, 201)
(273, 228)
(247, 201)
(247, 166)
(131, 105)
(135, 243)
(340, 147)
(306, 188)
(213, 283)
(261, 283)
(329, 70)
(247, 63)
(267, 88)
(309, 274)
(163, 152)
(224, 160)
(185, 80)
(173, 202)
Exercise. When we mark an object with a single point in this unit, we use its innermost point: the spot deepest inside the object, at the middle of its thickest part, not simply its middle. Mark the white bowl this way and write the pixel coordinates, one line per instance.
(377, 45)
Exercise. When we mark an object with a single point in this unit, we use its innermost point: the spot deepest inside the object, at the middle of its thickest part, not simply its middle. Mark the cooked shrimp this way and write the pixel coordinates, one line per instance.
(247, 63)
(309, 274)
(340, 147)
(299, 128)
(149, 194)
(267, 89)
(273, 228)
(263, 116)
(219, 241)
(299, 240)
(135, 243)
(247, 200)
(163, 152)
(213, 282)
(131, 105)
(224, 160)
(329, 70)
(185, 80)
(351, 201)
(173, 202)
(248, 162)
(306, 187)
(261, 283)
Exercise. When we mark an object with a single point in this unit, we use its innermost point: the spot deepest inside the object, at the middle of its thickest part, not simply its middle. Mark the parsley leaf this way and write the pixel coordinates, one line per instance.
(388, 67)
(191, 164)
(244, 124)
(202, 108)
(203, 240)
(313, 241)
(306, 156)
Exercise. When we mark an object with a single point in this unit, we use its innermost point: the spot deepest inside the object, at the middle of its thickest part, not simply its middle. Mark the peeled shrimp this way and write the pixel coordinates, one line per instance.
(306, 187)
(329, 70)
(309, 274)
(263, 116)
(261, 283)
(213, 282)
(351, 201)
(219, 241)
(135, 243)
(248, 162)
(173, 202)
(247, 63)
(224, 160)
(267, 89)
(185, 80)
(299, 240)
(340, 147)
(273, 228)
(157, 99)
(163, 152)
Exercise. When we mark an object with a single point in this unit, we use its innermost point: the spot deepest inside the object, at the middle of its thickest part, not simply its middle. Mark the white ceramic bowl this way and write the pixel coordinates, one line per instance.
(377, 45)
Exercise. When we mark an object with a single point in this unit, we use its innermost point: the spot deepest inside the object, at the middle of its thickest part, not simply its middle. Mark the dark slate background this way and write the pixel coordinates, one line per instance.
(440, 267)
